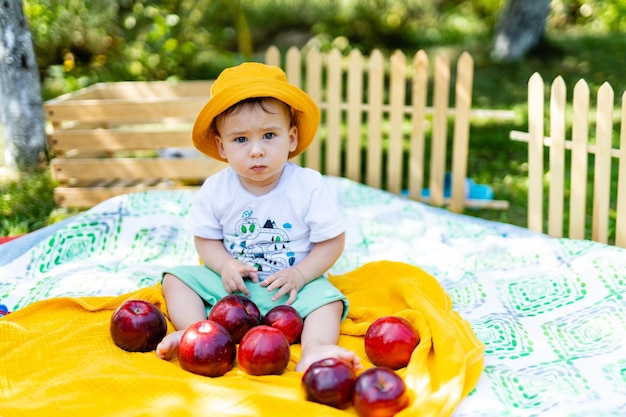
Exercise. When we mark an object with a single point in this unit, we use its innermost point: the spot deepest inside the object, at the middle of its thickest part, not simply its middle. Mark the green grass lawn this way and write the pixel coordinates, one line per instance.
(494, 159)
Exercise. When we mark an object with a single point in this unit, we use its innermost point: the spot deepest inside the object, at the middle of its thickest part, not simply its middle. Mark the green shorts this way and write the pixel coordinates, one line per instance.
(208, 285)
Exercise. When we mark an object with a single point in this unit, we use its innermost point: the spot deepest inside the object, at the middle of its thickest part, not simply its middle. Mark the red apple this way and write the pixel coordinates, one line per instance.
(264, 350)
(237, 314)
(390, 341)
(286, 319)
(379, 392)
(331, 382)
(206, 348)
(137, 326)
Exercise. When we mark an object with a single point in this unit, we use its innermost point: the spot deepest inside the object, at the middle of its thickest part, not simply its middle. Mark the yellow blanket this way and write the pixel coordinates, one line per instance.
(57, 356)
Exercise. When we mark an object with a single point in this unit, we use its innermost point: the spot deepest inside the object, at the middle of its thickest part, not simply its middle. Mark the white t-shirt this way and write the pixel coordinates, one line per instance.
(273, 231)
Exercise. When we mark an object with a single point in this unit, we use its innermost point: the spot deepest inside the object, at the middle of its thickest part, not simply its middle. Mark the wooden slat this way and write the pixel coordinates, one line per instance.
(70, 106)
(376, 69)
(272, 56)
(397, 86)
(176, 168)
(355, 112)
(418, 121)
(148, 109)
(535, 152)
(138, 90)
(557, 158)
(333, 113)
(580, 159)
(440, 127)
(620, 223)
(92, 92)
(293, 71)
(112, 140)
(460, 147)
(602, 166)
(293, 66)
(547, 141)
(314, 65)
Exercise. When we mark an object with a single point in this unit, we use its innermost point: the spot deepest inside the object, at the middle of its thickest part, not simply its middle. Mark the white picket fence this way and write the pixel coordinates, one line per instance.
(372, 91)
(581, 145)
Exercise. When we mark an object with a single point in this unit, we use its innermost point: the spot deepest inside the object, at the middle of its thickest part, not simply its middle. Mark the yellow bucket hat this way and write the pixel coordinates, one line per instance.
(249, 80)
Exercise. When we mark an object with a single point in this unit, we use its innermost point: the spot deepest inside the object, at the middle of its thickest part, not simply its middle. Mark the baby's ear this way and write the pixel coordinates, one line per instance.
(220, 146)
(293, 138)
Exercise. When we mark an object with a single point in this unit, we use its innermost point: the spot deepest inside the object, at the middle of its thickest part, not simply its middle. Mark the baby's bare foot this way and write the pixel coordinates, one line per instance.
(319, 352)
(168, 347)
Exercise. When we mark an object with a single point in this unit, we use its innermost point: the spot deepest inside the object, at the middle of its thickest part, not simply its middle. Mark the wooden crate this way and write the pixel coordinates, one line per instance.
(106, 139)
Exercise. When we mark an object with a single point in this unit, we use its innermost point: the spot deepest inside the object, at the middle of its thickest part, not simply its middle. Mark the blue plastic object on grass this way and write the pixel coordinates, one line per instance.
(473, 191)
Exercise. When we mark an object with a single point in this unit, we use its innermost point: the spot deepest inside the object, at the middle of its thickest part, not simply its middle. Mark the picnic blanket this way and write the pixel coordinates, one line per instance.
(57, 355)
(550, 312)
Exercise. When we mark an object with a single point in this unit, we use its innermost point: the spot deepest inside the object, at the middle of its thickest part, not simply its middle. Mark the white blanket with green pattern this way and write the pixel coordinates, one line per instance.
(551, 312)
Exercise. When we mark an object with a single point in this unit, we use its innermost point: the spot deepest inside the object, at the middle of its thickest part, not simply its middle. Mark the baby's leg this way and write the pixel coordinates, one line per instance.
(320, 335)
(184, 308)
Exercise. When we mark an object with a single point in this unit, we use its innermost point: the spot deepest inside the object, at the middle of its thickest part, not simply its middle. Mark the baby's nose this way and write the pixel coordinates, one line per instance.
(257, 148)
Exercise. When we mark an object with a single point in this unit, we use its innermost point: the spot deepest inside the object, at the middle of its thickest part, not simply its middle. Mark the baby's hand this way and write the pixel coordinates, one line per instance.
(287, 281)
(233, 274)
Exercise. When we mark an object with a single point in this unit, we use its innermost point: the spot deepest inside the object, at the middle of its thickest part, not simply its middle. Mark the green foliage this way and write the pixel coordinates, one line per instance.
(175, 39)
(84, 29)
(26, 203)
(72, 40)
(80, 42)
(588, 15)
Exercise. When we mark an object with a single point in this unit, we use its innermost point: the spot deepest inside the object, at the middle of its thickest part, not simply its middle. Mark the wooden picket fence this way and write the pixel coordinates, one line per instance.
(373, 91)
(375, 128)
(588, 155)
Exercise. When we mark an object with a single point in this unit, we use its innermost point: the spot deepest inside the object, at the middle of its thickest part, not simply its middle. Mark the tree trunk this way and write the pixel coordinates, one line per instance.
(21, 105)
(520, 27)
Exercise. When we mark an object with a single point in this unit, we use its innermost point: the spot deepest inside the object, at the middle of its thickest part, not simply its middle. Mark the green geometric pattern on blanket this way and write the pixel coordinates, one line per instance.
(572, 248)
(504, 337)
(612, 276)
(591, 331)
(537, 295)
(151, 244)
(146, 204)
(539, 388)
(80, 241)
(497, 258)
(119, 246)
(467, 293)
(616, 373)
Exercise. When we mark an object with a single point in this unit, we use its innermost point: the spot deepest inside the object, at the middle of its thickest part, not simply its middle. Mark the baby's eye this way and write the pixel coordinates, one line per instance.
(268, 135)
(240, 139)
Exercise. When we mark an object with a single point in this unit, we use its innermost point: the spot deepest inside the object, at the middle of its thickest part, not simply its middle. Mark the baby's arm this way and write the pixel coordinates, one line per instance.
(318, 261)
(214, 255)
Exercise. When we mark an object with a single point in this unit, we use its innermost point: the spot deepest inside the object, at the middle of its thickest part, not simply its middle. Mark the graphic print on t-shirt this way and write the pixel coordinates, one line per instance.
(262, 244)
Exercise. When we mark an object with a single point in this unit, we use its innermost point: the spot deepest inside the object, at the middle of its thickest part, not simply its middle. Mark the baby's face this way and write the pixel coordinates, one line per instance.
(256, 141)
